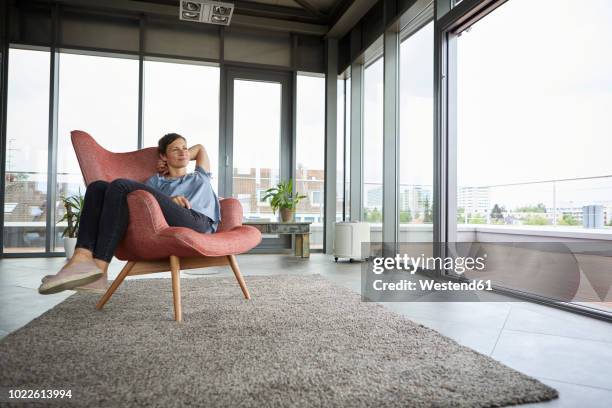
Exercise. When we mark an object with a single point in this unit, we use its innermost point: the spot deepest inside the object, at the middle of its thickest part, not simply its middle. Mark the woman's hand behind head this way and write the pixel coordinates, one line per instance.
(162, 167)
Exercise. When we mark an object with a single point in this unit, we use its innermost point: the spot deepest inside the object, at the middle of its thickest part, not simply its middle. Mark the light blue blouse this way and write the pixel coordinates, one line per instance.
(196, 187)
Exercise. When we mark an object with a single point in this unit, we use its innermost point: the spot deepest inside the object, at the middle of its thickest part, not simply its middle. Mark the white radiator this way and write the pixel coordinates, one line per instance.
(348, 239)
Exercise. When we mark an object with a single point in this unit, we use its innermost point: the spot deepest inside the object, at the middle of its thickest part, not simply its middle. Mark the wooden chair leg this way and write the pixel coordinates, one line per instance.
(175, 269)
(234, 265)
(118, 280)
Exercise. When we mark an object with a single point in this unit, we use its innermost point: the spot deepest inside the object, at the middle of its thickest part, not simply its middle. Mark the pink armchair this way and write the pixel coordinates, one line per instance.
(150, 245)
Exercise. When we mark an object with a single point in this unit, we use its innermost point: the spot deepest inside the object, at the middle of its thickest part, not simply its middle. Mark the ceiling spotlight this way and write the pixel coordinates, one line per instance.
(191, 6)
(221, 10)
(218, 19)
(188, 15)
(206, 11)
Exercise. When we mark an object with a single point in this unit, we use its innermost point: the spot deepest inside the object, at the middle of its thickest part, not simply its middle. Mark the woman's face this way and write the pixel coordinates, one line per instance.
(177, 154)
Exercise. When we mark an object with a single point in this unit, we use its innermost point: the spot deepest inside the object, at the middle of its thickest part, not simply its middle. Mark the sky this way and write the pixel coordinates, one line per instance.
(535, 93)
(415, 110)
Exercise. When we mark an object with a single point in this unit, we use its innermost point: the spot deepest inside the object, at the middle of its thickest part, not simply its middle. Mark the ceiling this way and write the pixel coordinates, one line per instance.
(324, 18)
(324, 12)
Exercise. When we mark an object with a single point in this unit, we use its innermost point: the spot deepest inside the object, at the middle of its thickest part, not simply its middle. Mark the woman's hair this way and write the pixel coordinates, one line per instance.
(163, 143)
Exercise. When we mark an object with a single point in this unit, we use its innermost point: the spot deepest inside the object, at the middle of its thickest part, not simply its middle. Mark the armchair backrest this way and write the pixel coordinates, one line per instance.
(97, 163)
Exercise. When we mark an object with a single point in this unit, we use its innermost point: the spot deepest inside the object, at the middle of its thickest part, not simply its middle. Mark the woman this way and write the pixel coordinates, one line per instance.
(186, 200)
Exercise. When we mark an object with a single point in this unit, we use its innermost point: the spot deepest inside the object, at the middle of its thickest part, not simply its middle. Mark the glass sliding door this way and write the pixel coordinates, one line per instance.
(257, 134)
(416, 136)
(27, 134)
(256, 153)
(533, 143)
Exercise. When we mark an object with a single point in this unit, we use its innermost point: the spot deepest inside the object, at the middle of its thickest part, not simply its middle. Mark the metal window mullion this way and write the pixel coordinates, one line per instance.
(445, 140)
(331, 143)
(3, 113)
(450, 173)
(390, 141)
(52, 136)
(141, 90)
(439, 182)
(225, 151)
(356, 149)
(344, 214)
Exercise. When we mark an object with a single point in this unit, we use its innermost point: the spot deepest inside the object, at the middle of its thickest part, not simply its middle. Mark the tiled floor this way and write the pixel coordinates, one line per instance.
(567, 351)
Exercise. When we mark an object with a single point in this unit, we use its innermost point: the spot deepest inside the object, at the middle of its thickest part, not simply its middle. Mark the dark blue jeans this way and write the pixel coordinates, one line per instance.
(105, 216)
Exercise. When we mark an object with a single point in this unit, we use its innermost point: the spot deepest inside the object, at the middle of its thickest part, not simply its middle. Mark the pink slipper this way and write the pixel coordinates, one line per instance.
(70, 277)
(100, 286)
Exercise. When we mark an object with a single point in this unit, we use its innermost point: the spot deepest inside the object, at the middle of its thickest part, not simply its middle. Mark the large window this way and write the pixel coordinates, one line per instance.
(533, 142)
(256, 150)
(416, 136)
(98, 95)
(533, 119)
(373, 144)
(183, 99)
(27, 133)
(310, 153)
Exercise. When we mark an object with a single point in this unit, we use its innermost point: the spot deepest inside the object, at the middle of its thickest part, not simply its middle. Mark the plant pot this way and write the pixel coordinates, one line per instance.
(287, 214)
(69, 244)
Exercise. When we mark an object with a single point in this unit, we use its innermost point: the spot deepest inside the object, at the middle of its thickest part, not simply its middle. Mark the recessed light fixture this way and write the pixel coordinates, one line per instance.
(205, 11)
(188, 15)
(192, 6)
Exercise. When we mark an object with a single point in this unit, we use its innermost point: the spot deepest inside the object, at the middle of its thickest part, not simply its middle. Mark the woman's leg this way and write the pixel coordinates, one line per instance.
(90, 215)
(114, 218)
(113, 222)
(88, 234)
(82, 269)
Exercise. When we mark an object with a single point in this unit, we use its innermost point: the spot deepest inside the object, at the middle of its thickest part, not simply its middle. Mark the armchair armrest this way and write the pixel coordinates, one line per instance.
(146, 216)
(231, 214)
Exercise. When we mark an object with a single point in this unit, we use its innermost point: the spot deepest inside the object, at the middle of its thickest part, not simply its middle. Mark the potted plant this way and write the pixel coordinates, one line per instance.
(73, 206)
(283, 198)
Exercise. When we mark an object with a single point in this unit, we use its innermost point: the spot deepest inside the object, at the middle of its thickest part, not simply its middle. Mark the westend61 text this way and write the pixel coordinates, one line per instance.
(429, 285)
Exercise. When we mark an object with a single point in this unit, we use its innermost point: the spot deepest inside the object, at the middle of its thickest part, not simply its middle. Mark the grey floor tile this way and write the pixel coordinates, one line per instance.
(572, 396)
(576, 361)
(475, 337)
(490, 315)
(18, 311)
(547, 320)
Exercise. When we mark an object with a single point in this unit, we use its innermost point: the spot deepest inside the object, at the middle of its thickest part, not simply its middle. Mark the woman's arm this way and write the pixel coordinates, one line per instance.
(199, 154)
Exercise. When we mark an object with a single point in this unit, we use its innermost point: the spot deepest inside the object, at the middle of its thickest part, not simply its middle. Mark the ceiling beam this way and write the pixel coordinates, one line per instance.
(311, 9)
(339, 9)
(281, 10)
(350, 17)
